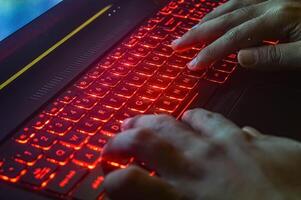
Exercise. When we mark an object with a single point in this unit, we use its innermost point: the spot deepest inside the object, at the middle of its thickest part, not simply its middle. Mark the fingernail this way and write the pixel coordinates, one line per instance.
(192, 65)
(246, 58)
(175, 43)
(126, 124)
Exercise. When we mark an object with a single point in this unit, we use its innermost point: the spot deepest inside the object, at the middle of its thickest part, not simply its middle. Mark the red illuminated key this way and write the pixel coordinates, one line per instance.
(159, 17)
(11, 170)
(97, 90)
(150, 42)
(135, 79)
(186, 81)
(118, 52)
(149, 93)
(40, 121)
(170, 24)
(169, 72)
(85, 102)
(130, 60)
(24, 135)
(125, 90)
(175, 92)
(96, 72)
(141, 33)
(111, 128)
(40, 173)
(113, 101)
(197, 15)
(120, 69)
(87, 158)
(59, 127)
(108, 79)
(91, 187)
(97, 142)
(224, 66)
(125, 113)
(178, 62)
(130, 42)
(163, 50)
(72, 113)
(26, 154)
(187, 24)
(145, 69)
(88, 126)
(107, 62)
(182, 13)
(166, 10)
(54, 108)
(155, 60)
(216, 76)
(59, 154)
(195, 74)
(43, 140)
(84, 82)
(159, 82)
(159, 34)
(67, 97)
(66, 178)
(102, 113)
(150, 25)
(139, 104)
(140, 50)
(167, 104)
(189, 54)
(74, 140)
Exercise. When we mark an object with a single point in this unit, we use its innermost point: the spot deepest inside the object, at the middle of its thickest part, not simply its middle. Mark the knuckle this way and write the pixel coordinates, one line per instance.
(233, 35)
(211, 115)
(216, 148)
(209, 53)
(274, 54)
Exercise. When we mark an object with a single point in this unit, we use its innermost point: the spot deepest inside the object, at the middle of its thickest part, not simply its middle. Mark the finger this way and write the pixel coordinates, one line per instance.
(136, 184)
(252, 132)
(165, 126)
(211, 124)
(211, 30)
(245, 35)
(273, 57)
(148, 148)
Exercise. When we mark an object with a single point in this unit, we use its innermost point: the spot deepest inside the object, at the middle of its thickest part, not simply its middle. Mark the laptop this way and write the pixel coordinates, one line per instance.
(72, 71)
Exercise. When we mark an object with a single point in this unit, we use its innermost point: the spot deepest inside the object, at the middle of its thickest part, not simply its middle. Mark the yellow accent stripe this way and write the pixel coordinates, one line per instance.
(51, 49)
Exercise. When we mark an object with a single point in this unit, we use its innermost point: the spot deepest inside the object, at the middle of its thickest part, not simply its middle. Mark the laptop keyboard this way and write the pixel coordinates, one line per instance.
(59, 151)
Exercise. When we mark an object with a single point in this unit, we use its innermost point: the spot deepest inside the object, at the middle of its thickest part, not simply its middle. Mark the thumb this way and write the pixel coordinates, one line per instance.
(273, 57)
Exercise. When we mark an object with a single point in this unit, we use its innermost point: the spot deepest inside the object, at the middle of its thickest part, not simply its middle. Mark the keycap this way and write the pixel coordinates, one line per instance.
(150, 42)
(26, 154)
(178, 62)
(124, 114)
(67, 97)
(88, 126)
(169, 72)
(167, 104)
(95, 72)
(139, 104)
(141, 33)
(150, 25)
(130, 42)
(91, 187)
(58, 154)
(224, 66)
(54, 108)
(84, 82)
(125, 90)
(11, 170)
(102, 113)
(176, 92)
(186, 81)
(149, 93)
(24, 135)
(140, 51)
(155, 60)
(146, 69)
(66, 178)
(108, 79)
(74, 140)
(107, 62)
(182, 12)
(130, 60)
(72, 113)
(120, 70)
(97, 90)
(87, 158)
(85, 102)
(40, 173)
(114, 102)
(43, 140)
(163, 50)
(97, 142)
(40, 121)
(170, 24)
(159, 34)
(188, 54)
(111, 128)
(135, 79)
(59, 127)
(159, 82)
(216, 76)
(118, 52)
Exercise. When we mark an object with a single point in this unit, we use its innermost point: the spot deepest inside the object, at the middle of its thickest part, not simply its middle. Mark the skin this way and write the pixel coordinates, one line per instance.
(242, 25)
(204, 156)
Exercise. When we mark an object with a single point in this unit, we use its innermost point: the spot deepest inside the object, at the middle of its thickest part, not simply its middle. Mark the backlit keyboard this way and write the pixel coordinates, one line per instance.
(58, 151)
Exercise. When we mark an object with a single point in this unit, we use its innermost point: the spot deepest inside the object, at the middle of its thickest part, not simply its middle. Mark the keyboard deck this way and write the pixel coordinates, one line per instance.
(58, 151)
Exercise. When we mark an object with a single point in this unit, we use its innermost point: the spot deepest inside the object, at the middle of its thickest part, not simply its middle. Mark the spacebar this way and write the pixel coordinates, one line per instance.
(91, 187)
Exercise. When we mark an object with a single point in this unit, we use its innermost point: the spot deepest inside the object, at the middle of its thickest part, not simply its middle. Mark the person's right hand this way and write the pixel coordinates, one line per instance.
(243, 25)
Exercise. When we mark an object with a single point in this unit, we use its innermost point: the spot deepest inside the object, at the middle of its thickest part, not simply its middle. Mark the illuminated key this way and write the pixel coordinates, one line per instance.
(87, 158)
(59, 127)
(43, 140)
(73, 139)
(11, 170)
(59, 154)
(139, 104)
(71, 113)
(88, 126)
(102, 113)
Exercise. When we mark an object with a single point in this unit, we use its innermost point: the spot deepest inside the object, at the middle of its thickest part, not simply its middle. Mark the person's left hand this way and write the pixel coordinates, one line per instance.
(203, 157)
